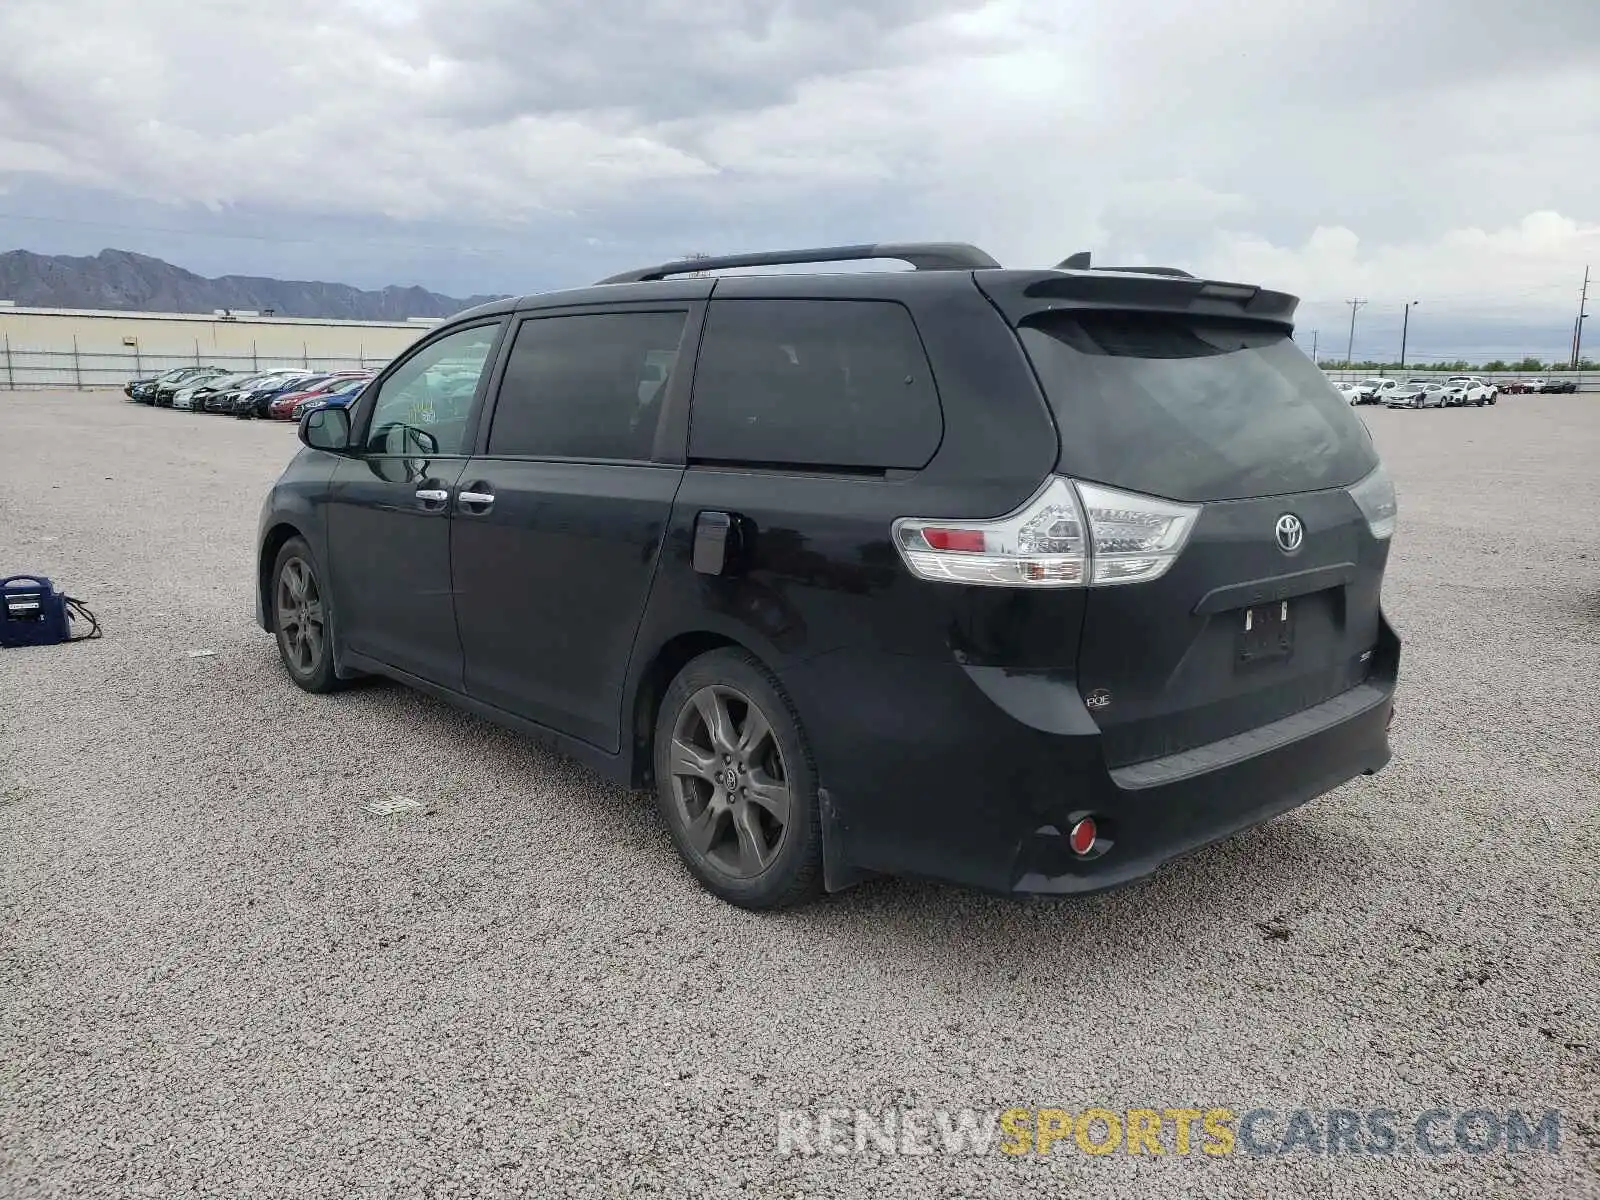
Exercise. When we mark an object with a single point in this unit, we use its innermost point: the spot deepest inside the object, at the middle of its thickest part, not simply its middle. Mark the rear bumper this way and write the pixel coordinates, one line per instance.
(1170, 807)
(974, 776)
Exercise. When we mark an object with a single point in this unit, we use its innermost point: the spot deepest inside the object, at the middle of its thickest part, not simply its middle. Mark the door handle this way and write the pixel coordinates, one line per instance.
(475, 498)
(431, 496)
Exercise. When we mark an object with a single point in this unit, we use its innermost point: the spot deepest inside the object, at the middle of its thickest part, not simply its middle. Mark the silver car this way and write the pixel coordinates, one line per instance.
(1417, 393)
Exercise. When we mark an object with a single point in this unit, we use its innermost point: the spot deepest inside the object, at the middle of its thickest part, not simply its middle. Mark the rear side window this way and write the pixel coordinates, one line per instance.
(814, 383)
(1192, 408)
(589, 386)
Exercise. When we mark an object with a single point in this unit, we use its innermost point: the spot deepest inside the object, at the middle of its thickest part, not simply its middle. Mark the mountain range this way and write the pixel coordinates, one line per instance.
(121, 279)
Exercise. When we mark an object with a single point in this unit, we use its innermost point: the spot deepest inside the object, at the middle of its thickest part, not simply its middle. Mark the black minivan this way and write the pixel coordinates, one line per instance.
(1027, 580)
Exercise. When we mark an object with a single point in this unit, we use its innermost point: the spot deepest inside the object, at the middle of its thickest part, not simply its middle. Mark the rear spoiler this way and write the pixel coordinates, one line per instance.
(1020, 295)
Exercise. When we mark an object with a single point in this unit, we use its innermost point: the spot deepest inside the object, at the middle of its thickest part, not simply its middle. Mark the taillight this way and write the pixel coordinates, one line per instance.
(1375, 497)
(1134, 537)
(1069, 534)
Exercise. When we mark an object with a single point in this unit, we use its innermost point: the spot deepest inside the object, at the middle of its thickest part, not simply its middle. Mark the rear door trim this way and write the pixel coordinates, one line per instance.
(1275, 587)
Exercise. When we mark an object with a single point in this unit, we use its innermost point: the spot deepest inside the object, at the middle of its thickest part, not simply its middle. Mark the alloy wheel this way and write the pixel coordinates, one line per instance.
(729, 782)
(302, 627)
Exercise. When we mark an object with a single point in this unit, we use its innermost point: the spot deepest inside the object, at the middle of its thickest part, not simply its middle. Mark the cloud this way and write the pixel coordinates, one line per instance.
(1487, 270)
(1404, 148)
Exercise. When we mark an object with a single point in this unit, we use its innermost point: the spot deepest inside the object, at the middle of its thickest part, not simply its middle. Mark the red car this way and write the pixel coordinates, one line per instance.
(282, 409)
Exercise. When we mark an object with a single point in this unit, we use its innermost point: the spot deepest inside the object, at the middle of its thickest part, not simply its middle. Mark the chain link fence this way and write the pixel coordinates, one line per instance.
(23, 369)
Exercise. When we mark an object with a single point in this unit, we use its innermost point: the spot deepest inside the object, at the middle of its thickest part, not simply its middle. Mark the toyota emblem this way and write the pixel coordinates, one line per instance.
(1290, 533)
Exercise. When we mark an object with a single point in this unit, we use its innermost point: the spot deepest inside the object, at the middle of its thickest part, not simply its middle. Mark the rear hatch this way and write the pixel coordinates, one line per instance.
(1272, 606)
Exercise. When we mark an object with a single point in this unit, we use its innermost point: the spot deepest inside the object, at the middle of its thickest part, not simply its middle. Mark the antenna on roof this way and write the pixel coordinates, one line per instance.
(1077, 262)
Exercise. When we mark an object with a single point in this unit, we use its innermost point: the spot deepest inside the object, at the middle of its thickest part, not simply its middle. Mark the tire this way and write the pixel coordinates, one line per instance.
(307, 656)
(737, 847)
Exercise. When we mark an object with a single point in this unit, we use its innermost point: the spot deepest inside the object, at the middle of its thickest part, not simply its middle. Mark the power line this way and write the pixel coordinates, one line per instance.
(1487, 297)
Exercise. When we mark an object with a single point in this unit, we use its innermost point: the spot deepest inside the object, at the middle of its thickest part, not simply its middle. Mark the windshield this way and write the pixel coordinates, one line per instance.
(1193, 408)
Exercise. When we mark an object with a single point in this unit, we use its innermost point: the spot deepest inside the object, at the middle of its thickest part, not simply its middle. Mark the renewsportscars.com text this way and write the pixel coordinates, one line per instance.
(1213, 1131)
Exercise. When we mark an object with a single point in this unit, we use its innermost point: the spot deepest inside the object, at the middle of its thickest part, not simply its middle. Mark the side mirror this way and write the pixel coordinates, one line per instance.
(326, 429)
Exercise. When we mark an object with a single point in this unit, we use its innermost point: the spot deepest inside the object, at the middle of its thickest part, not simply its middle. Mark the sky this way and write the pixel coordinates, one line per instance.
(1439, 151)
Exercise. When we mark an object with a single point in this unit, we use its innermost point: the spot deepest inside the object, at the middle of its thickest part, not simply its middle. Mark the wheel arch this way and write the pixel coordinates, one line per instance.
(677, 652)
(651, 685)
(272, 542)
(280, 532)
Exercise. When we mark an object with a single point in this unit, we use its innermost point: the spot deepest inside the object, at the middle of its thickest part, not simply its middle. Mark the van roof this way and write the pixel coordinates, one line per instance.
(1074, 283)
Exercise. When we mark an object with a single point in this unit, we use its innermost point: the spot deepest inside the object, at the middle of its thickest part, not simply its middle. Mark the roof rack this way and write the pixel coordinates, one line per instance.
(1081, 262)
(1175, 272)
(923, 256)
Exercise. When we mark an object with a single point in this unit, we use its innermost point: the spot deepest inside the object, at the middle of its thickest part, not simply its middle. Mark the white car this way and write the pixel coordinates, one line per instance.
(1418, 393)
(1352, 392)
(1477, 391)
(1378, 390)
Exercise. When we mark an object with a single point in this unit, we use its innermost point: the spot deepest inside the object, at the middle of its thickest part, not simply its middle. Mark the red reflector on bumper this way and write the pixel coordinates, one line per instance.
(1081, 837)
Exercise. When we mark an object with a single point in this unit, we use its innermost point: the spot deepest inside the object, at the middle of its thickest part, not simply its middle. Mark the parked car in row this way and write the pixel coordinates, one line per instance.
(192, 395)
(959, 572)
(163, 393)
(230, 390)
(246, 397)
(1537, 387)
(341, 396)
(143, 390)
(258, 403)
(287, 404)
(1377, 389)
(1474, 389)
(223, 399)
(1418, 392)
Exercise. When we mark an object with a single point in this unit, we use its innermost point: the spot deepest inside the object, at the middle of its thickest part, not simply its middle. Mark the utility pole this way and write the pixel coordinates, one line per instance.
(1314, 357)
(1577, 327)
(1405, 328)
(1351, 346)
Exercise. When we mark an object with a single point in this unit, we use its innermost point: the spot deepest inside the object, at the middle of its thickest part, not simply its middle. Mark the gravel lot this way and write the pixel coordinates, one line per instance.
(219, 975)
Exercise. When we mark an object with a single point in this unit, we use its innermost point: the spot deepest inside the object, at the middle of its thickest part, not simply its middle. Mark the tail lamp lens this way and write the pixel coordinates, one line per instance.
(1068, 535)
(1375, 496)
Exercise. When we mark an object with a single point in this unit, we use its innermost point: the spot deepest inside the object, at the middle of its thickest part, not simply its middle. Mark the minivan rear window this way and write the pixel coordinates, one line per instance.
(1193, 408)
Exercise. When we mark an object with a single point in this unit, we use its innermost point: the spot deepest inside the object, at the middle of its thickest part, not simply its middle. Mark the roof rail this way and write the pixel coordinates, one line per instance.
(1173, 271)
(923, 256)
(1081, 262)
